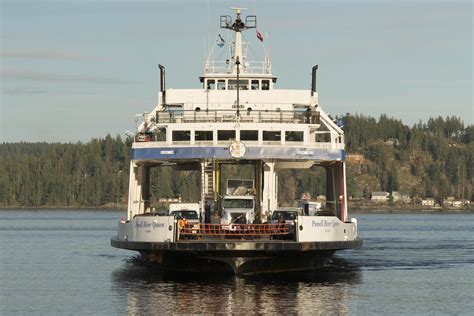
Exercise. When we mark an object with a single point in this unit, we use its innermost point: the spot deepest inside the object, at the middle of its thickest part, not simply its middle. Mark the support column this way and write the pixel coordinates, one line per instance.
(331, 188)
(216, 180)
(146, 194)
(344, 192)
(136, 203)
(258, 188)
(336, 196)
(270, 199)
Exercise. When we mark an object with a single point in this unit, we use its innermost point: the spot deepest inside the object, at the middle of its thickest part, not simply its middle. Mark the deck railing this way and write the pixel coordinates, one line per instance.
(236, 231)
(250, 67)
(251, 116)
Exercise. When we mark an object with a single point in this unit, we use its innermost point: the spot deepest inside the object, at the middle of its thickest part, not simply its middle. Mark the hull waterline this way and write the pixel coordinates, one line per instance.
(240, 258)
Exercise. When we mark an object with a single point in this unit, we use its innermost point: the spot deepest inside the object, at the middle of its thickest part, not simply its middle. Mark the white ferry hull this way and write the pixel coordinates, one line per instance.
(314, 240)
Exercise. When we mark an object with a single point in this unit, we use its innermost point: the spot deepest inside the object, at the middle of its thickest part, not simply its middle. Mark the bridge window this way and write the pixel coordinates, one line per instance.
(211, 84)
(291, 136)
(243, 84)
(248, 135)
(203, 135)
(161, 134)
(265, 84)
(221, 84)
(225, 135)
(271, 136)
(323, 135)
(302, 112)
(181, 136)
(175, 109)
(255, 85)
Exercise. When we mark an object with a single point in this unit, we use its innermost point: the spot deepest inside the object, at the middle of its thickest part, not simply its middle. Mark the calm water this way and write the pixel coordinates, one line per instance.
(60, 262)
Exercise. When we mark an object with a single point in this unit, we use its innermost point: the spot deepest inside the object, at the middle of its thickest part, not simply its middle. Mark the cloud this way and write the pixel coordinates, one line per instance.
(23, 91)
(34, 76)
(51, 55)
(437, 82)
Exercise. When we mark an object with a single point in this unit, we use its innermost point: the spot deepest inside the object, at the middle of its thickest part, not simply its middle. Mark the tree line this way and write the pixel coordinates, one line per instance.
(429, 159)
(73, 175)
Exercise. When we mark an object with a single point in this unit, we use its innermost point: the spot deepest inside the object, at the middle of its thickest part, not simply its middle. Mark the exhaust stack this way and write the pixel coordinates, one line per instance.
(313, 79)
(163, 83)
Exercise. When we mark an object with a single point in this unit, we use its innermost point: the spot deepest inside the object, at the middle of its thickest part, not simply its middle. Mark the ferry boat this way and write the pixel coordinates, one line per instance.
(237, 119)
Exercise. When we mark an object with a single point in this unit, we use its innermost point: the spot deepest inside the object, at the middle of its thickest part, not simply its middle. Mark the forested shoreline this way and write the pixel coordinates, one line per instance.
(430, 159)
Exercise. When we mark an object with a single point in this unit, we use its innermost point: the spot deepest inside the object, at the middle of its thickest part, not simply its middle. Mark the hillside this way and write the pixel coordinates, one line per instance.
(435, 159)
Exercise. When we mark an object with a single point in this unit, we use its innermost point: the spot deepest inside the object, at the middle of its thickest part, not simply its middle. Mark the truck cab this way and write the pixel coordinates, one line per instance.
(310, 208)
(238, 209)
(190, 211)
(288, 215)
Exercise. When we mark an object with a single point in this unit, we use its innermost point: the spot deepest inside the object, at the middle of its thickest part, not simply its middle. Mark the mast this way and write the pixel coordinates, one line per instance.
(237, 64)
(238, 26)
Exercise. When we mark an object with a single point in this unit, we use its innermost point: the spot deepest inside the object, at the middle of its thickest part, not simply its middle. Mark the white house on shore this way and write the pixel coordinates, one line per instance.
(400, 197)
(450, 201)
(379, 196)
(428, 202)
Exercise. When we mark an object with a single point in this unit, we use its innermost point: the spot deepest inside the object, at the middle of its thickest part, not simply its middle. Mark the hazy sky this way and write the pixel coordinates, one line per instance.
(76, 69)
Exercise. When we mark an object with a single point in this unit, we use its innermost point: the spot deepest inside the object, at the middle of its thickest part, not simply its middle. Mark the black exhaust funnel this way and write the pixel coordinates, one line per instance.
(163, 83)
(313, 80)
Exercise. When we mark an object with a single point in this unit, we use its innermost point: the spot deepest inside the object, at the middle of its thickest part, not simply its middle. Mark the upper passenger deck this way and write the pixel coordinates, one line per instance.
(213, 105)
(197, 118)
(237, 102)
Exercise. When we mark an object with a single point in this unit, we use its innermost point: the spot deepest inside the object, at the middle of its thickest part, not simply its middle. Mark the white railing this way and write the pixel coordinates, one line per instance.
(253, 67)
(230, 115)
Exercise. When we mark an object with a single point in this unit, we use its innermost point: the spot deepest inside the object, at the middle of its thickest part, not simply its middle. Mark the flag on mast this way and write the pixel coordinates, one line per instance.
(220, 41)
(259, 36)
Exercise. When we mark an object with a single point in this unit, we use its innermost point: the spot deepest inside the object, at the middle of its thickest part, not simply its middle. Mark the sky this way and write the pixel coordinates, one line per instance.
(72, 70)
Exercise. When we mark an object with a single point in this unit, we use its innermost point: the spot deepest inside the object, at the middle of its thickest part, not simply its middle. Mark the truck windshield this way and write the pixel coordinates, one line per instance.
(186, 214)
(238, 203)
(287, 215)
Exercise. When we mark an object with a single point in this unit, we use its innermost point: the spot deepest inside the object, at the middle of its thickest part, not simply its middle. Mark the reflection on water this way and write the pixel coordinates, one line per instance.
(150, 290)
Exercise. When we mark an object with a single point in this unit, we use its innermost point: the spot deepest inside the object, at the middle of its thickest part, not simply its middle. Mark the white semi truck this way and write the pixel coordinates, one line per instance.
(238, 209)
(238, 205)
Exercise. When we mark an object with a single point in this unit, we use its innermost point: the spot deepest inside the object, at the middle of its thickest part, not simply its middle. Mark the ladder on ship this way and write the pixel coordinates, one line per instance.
(208, 180)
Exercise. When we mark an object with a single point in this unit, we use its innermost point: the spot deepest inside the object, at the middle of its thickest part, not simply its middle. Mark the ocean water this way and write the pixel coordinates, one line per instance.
(57, 262)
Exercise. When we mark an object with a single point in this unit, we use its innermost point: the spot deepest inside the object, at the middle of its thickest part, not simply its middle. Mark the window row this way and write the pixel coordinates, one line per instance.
(231, 84)
(245, 135)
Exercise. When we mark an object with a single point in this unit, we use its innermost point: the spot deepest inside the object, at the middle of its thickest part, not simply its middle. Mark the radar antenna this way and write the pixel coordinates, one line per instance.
(238, 26)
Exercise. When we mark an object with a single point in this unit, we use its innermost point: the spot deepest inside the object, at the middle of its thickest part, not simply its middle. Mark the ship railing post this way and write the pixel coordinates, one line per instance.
(344, 211)
(175, 229)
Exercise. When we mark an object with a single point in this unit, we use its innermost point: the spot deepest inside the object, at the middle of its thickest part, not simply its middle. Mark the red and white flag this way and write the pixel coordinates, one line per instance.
(259, 36)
